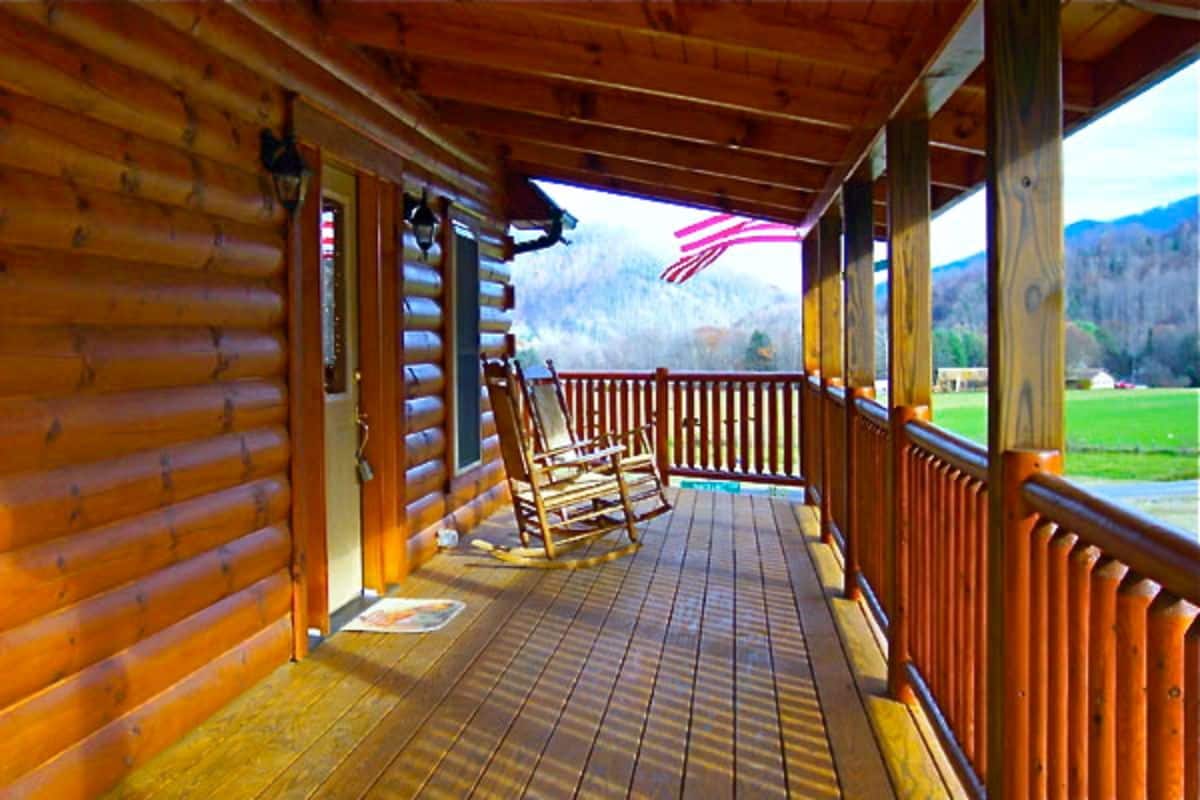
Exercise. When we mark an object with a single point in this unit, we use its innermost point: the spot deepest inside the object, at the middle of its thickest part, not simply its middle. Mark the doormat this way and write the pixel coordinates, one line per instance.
(406, 615)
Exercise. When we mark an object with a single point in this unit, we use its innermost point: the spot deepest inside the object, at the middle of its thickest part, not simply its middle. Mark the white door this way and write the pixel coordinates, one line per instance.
(339, 333)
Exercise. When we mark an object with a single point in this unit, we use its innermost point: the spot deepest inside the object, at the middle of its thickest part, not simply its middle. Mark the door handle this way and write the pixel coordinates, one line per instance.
(365, 472)
(364, 428)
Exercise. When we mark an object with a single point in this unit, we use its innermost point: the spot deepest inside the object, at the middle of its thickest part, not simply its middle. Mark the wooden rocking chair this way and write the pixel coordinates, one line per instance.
(566, 501)
(554, 433)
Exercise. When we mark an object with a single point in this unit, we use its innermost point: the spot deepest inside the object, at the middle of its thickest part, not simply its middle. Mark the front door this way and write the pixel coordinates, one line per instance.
(339, 333)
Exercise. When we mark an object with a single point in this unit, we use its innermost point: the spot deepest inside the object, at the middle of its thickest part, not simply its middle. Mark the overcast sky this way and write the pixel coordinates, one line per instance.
(1143, 154)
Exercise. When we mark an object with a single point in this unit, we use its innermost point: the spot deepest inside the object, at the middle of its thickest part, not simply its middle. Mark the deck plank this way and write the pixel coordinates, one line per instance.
(455, 733)
(513, 764)
(614, 753)
(660, 759)
(856, 755)
(808, 758)
(710, 742)
(717, 661)
(560, 767)
(272, 733)
(758, 739)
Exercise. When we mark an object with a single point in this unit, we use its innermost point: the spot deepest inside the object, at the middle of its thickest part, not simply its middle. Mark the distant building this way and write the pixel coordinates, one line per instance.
(961, 379)
(1090, 379)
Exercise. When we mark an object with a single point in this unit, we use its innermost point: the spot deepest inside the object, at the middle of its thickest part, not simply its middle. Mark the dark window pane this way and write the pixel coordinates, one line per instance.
(466, 346)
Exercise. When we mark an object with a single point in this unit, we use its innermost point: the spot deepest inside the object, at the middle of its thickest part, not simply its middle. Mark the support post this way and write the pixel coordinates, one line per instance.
(811, 448)
(662, 421)
(858, 208)
(831, 362)
(1026, 335)
(910, 356)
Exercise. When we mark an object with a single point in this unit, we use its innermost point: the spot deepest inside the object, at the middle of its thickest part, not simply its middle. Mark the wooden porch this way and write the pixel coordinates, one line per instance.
(718, 661)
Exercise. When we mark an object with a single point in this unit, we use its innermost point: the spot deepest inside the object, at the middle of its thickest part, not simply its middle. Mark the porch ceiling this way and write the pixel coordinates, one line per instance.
(763, 110)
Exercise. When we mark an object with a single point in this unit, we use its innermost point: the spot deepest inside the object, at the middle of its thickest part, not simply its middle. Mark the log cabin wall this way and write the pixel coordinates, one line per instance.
(435, 496)
(144, 494)
(145, 503)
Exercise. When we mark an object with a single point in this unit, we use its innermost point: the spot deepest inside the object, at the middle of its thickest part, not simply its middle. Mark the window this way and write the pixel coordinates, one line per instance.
(468, 445)
(333, 295)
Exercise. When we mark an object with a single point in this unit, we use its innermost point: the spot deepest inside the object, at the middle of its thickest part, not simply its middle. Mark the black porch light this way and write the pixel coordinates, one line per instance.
(282, 159)
(424, 222)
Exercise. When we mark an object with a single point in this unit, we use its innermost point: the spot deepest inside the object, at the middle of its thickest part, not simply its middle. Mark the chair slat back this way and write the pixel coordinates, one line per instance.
(548, 406)
(502, 392)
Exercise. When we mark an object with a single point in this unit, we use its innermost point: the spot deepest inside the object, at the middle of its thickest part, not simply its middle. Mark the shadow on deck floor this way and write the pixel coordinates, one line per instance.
(707, 665)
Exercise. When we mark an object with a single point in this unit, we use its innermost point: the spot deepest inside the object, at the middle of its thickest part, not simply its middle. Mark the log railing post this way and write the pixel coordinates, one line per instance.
(910, 359)
(899, 575)
(859, 292)
(811, 342)
(830, 356)
(662, 423)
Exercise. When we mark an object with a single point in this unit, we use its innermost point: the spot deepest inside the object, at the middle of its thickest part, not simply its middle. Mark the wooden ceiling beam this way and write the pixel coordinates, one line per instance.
(620, 110)
(701, 184)
(1079, 86)
(775, 30)
(1158, 48)
(658, 192)
(940, 58)
(702, 158)
(413, 37)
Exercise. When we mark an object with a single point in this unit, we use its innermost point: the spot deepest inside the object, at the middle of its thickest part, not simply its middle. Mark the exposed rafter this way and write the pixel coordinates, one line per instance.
(626, 111)
(792, 31)
(653, 191)
(691, 156)
(702, 184)
(418, 38)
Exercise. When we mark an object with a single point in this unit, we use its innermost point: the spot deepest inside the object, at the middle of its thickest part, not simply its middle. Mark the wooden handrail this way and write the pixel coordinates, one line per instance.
(691, 375)
(837, 394)
(875, 413)
(598, 375)
(962, 454)
(1150, 548)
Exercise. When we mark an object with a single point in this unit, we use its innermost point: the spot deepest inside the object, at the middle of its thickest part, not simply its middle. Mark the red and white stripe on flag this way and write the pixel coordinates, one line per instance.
(705, 241)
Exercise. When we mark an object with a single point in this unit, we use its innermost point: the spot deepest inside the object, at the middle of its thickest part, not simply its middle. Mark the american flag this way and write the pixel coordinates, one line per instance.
(703, 242)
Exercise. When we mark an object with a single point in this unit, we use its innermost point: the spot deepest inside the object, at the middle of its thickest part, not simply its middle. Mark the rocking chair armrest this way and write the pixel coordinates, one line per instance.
(606, 454)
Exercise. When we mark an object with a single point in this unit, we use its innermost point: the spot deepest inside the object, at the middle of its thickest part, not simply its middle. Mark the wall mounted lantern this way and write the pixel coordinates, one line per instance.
(288, 171)
(424, 222)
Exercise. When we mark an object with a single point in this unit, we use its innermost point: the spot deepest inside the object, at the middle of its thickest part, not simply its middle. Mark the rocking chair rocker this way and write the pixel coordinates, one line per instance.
(554, 433)
(563, 498)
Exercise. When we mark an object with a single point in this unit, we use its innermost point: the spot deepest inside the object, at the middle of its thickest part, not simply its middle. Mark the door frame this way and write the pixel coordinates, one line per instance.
(380, 299)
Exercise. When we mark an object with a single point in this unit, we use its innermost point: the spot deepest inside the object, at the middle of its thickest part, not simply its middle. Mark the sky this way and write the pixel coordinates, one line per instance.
(1143, 154)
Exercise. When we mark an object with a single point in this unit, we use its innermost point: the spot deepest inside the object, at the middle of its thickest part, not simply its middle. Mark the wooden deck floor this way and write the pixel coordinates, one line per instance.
(708, 665)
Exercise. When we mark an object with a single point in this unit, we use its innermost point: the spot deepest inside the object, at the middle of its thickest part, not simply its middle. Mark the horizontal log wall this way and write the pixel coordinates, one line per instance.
(434, 495)
(144, 494)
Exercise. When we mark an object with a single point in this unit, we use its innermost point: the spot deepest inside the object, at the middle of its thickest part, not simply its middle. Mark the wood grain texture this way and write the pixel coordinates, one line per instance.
(831, 295)
(910, 288)
(859, 284)
(810, 282)
(1026, 276)
(709, 657)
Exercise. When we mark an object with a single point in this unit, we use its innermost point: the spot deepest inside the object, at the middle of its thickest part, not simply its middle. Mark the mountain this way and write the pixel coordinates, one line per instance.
(1131, 298)
(598, 304)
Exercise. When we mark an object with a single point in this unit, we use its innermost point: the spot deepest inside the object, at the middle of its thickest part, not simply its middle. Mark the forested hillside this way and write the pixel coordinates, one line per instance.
(598, 303)
(1132, 297)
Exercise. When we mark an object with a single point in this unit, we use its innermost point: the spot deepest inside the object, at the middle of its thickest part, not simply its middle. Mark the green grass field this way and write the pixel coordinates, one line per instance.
(1145, 434)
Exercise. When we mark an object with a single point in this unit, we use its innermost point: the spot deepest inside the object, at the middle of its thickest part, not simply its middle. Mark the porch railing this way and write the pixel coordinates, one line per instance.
(1103, 600)
(742, 426)
(1106, 604)
(943, 548)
